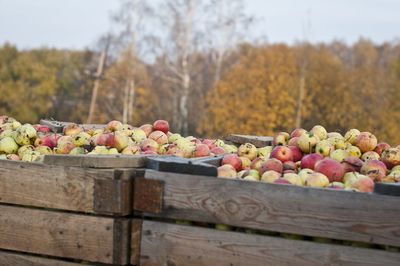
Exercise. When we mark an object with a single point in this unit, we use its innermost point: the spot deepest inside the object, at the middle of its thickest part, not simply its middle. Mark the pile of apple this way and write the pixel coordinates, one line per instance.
(355, 161)
(31, 142)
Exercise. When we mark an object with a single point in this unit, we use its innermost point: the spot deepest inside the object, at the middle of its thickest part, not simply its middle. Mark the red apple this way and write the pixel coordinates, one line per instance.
(64, 147)
(297, 153)
(370, 155)
(159, 136)
(42, 128)
(331, 169)
(272, 164)
(49, 141)
(363, 184)
(352, 164)
(380, 147)
(374, 169)
(309, 160)
(366, 142)
(210, 143)
(282, 153)
(227, 171)
(114, 126)
(72, 129)
(270, 176)
(289, 165)
(293, 141)
(233, 160)
(297, 132)
(217, 150)
(149, 144)
(257, 163)
(161, 125)
(175, 151)
(147, 128)
(201, 150)
(391, 157)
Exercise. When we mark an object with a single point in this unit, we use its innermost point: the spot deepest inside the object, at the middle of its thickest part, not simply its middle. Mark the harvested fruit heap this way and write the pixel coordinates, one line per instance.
(31, 142)
(355, 161)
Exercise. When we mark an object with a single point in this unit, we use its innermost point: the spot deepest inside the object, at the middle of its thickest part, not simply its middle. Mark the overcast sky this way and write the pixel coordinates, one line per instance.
(77, 23)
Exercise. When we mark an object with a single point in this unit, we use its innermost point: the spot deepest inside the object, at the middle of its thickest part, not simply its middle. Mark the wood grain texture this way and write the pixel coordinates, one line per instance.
(258, 141)
(169, 244)
(103, 191)
(97, 161)
(326, 213)
(15, 259)
(114, 196)
(136, 239)
(48, 186)
(58, 234)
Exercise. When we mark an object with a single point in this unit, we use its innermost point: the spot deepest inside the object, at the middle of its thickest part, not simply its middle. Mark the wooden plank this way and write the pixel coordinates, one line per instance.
(326, 213)
(258, 141)
(102, 191)
(181, 165)
(66, 235)
(148, 196)
(97, 161)
(114, 196)
(18, 259)
(392, 189)
(170, 244)
(135, 241)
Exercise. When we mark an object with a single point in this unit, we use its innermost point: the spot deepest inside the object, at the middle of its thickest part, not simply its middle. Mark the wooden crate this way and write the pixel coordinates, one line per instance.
(343, 215)
(80, 189)
(171, 244)
(65, 235)
(66, 212)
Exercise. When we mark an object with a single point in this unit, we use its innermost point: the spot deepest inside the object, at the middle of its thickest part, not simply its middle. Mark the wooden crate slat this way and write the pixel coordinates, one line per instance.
(66, 235)
(97, 161)
(170, 244)
(306, 211)
(16, 259)
(136, 239)
(103, 191)
(258, 141)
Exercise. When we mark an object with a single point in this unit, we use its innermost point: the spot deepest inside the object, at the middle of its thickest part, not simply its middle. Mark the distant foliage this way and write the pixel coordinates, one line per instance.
(355, 86)
(345, 87)
(42, 83)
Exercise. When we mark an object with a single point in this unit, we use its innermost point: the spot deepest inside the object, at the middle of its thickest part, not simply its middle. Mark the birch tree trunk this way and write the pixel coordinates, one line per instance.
(131, 100)
(185, 44)
(126, 104)
(99, 72)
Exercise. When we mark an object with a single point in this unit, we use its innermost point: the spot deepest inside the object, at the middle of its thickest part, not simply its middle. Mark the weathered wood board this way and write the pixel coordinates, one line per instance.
(344, 215)
(65, 235)
(170, 244)
(104, 191)
(258, 141)
(18, 259)
(97, 161)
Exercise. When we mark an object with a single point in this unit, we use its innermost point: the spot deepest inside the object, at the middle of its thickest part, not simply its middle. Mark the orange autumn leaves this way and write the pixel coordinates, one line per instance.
(345, 88)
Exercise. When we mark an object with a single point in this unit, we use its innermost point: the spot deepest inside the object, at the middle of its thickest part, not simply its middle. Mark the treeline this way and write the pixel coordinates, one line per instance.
(262, 88)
